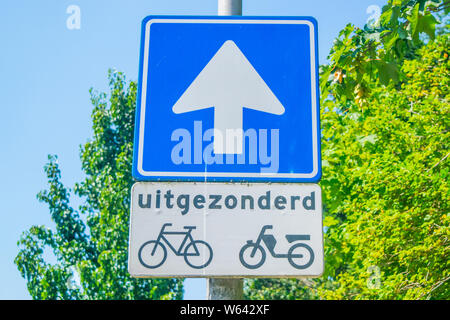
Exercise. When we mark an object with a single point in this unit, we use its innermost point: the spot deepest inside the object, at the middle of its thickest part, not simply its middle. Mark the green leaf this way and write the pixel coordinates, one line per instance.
(427, 24)
(387, 72)
(330, 221)
(390, 40)
(413, 18)
(372, 138)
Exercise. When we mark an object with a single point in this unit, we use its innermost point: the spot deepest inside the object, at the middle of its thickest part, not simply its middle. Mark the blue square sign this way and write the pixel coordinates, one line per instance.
(228, 99)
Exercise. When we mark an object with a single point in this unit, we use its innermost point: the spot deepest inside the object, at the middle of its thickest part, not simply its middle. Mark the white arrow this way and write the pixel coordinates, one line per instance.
(228, 83)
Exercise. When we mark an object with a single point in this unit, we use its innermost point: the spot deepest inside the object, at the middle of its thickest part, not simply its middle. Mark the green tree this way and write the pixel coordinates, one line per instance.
(385, 148)
(91, 244)
(386, 187)
(362, 59)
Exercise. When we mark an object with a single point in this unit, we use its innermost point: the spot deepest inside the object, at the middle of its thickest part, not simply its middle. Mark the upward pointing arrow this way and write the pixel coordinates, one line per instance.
(228, 83)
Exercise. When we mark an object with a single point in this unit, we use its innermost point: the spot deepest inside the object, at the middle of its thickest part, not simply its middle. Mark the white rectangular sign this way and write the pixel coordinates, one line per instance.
(190, 229)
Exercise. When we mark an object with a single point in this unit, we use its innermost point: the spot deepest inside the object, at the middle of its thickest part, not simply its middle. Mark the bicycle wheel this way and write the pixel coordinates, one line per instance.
(246, 258)
(304, 253)
(149, 260)
(198, 254)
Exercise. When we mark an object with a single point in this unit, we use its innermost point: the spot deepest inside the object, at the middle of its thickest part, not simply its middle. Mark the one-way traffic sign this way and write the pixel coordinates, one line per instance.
(228, 99)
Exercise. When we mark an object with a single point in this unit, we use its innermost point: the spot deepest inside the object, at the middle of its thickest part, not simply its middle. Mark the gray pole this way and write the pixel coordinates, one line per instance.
(230, 7)
(226, 288)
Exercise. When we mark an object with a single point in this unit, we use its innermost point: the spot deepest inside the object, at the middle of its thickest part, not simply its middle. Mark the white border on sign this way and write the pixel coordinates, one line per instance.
(228, 174)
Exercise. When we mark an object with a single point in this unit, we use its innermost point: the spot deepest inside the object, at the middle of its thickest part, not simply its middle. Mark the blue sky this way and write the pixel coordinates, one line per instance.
(46, 71)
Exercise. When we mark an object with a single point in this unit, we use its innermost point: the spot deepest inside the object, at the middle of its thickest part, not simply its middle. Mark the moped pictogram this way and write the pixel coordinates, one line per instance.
(253, 255)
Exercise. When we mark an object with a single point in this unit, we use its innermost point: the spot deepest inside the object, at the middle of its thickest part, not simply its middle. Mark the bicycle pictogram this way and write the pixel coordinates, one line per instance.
(300, 255)
(197, 253)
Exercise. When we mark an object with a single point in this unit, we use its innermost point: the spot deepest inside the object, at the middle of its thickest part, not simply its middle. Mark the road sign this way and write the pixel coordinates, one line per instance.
(228, 99)
(190, 229)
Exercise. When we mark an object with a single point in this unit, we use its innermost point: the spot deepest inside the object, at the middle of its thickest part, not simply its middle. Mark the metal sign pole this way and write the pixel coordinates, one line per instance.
(229, 7)
(226, 288)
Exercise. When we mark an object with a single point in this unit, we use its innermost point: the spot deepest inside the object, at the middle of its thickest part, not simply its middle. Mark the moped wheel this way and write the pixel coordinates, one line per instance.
(198, 254)
(304, 255)
(252, 262)
(149, 260)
